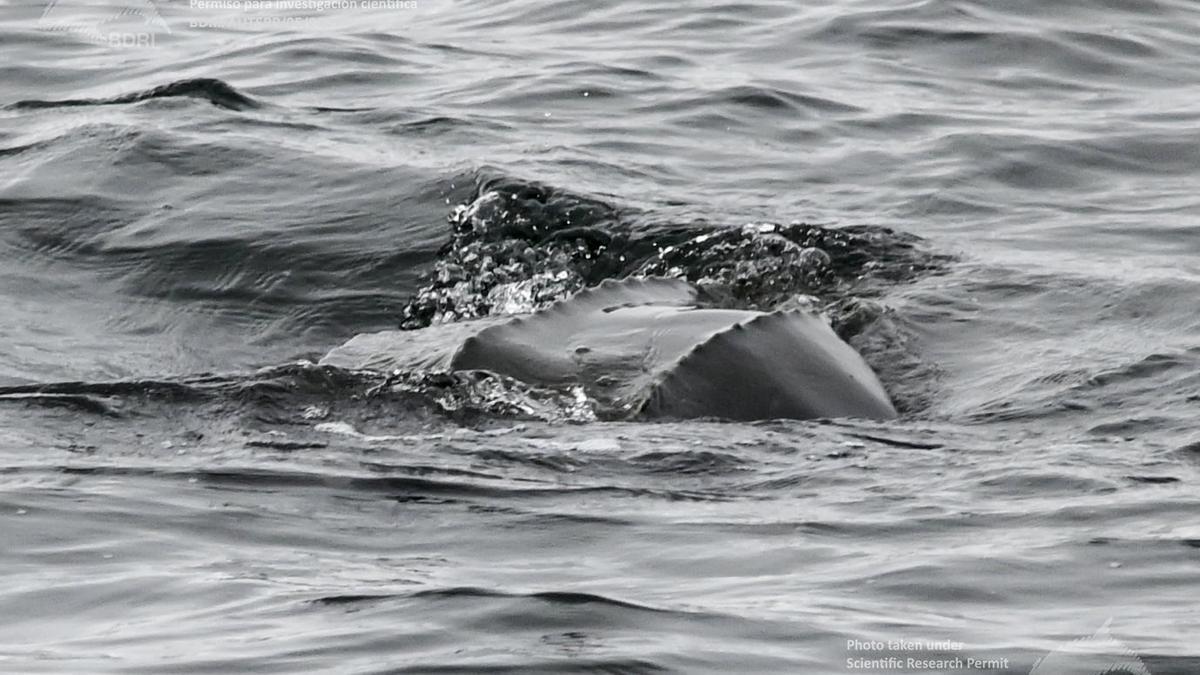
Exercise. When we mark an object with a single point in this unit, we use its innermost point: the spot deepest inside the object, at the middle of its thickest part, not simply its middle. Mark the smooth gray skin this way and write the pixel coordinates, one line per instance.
(645, 347)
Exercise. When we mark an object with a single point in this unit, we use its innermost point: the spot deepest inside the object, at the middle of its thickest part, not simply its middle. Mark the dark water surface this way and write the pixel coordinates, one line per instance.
(187, 226)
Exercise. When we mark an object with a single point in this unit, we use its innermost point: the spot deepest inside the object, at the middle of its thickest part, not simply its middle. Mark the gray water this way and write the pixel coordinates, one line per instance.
(192, 212)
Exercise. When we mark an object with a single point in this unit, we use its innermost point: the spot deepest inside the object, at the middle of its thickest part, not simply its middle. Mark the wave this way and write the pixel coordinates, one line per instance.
(216, 92)
(566, 598)
(514, 246)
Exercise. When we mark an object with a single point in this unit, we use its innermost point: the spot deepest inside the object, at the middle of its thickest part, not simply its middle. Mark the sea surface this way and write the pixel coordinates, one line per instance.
(198, 201)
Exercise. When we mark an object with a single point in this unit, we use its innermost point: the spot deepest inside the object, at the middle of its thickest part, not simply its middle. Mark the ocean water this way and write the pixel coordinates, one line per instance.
(198, 201)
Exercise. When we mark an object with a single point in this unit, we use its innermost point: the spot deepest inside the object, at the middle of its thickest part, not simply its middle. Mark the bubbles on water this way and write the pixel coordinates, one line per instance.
(469, 395)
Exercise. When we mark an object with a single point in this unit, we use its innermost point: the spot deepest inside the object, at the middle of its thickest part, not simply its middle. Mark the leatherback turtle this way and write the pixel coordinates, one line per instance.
(649, 348)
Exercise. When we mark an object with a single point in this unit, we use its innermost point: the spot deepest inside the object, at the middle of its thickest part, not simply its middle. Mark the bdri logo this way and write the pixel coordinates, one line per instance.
(113, 23)
(1100, 654)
